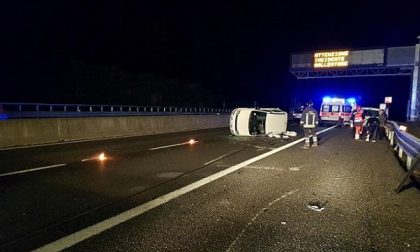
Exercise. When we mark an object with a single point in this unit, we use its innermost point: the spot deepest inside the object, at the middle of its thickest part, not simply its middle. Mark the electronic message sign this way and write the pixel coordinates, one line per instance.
(335, 59)
(331, 59)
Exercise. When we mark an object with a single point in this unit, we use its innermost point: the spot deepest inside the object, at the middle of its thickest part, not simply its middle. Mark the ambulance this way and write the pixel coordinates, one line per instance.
(336, 110)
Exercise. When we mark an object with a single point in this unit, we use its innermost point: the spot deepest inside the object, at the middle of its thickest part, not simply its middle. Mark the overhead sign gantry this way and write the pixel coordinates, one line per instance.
(391, 61)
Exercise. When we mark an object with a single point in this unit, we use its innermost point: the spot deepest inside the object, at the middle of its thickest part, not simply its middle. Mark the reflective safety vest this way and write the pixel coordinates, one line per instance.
(358, 117)
(309, 119)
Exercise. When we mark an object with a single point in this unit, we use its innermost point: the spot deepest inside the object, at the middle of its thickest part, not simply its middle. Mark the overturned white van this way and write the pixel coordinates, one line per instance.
(262, 121)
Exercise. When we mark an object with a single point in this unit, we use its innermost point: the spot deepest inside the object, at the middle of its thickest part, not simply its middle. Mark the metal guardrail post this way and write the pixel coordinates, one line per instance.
(408, 163)
(391, 141)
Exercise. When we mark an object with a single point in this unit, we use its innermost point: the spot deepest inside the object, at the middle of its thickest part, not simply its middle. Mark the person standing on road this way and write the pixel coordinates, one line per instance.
(372, 126)
(382, 120)
(309, 121)
(358, 119)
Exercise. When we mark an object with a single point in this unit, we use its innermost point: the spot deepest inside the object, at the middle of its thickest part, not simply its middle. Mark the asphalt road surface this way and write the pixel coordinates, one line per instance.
(338, 196)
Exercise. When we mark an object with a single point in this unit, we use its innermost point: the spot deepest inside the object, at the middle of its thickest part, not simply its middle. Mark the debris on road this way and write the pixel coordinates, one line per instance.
(285, 135)
(317, 206)
(274, 135)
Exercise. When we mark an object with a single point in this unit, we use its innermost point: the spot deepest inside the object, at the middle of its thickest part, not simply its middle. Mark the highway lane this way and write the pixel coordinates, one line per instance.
(264, 206)
(64, 199)
(22, 158)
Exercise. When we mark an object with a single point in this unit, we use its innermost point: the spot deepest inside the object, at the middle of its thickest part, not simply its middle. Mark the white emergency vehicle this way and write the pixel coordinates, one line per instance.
(262, 121)
(336, 110)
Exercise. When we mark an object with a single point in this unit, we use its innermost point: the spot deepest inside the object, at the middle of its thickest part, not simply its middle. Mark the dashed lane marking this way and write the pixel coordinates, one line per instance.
(255, 218)
(264, 168)
(173, 145)
(31, 170)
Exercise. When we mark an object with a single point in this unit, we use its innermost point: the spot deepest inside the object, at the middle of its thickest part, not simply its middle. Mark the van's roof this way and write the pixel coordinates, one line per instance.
(370, 108)
(335, 103)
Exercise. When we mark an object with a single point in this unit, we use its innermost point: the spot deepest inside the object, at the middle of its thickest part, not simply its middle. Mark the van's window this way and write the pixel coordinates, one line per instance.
(347, 109)
(331, 108)
(326, 108)
(257, 123)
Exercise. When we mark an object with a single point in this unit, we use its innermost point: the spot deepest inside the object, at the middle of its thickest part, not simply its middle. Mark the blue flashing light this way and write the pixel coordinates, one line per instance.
(326, 99)
(3, 117)
(351, 100)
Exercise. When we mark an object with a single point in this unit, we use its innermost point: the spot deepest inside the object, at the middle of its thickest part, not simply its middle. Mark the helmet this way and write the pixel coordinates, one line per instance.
(309, 103)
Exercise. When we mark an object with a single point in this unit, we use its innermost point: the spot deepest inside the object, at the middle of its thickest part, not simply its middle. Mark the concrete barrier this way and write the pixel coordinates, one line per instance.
(20, 132)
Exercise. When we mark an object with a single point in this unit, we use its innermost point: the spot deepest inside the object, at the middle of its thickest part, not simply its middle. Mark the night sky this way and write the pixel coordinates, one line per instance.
(236, 51)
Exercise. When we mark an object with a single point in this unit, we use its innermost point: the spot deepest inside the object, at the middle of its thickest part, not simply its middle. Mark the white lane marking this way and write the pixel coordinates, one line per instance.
(31, 170)
(263, 168)
(172, 145)
(295, 168)
(86, 159)
(106, 224)
(255, 217)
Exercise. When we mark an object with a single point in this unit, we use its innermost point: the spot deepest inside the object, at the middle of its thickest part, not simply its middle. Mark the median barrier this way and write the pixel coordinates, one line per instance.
(22, 132)
(407, 148)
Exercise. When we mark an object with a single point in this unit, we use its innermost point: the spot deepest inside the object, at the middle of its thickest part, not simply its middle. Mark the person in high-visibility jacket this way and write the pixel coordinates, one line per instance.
(309, 121)
(358, 119)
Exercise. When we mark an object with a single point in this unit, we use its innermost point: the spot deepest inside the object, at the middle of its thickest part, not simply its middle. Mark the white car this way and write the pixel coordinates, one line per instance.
(369, 112)
(252, 121)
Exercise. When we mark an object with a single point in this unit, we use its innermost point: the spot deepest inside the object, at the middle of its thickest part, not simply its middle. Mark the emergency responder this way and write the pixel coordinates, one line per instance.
(309, 122)
(382, 120)
(358, 120)
(372, 126)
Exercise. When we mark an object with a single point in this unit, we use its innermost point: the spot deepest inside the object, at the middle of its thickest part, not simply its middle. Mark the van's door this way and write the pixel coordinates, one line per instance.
(330, 112)
(346, 114)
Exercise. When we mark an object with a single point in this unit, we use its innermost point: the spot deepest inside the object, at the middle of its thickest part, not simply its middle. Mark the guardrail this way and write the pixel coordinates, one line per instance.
(41, 110)
(408, 148)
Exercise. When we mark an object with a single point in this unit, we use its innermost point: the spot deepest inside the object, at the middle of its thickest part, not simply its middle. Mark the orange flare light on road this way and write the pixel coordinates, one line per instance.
(102, 157)
(192, 141)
